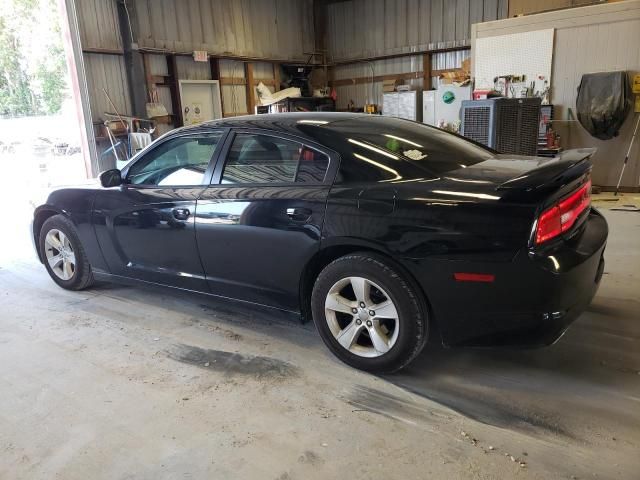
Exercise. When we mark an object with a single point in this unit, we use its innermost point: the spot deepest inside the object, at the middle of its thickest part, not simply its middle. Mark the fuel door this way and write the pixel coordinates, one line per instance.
(377, 200)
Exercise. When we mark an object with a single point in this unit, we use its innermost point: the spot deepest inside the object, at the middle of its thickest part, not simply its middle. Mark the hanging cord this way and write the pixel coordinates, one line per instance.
(124, 2)
(370, 94)
(372, 67)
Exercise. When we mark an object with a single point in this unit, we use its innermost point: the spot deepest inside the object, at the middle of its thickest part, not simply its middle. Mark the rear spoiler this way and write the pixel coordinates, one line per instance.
(567, 167)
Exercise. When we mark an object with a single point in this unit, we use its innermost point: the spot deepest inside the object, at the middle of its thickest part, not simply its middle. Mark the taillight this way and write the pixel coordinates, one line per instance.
(563, 215)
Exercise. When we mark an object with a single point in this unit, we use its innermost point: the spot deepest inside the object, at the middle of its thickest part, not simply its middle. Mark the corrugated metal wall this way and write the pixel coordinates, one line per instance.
(98, 23)
(274, 29)
(369, 28)
(372, 93)
(589, 39)
(281, 29)
(106, 72)
(366, 28)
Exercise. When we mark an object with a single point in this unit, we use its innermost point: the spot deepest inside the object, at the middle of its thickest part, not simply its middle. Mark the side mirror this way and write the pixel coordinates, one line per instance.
(111, 178)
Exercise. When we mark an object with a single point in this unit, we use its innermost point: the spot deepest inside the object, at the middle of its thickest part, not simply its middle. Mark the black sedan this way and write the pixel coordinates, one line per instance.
(382, 230)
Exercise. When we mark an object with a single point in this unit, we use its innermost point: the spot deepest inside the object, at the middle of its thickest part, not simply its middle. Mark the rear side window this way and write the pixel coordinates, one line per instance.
(381, 146)
(260, 159)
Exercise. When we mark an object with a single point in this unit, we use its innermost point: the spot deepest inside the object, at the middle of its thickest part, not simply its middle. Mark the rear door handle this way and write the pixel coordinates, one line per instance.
(181, 213)
(299, 214)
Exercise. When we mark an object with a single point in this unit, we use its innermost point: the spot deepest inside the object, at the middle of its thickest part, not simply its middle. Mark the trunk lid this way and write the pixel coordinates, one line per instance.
(553, 173)
(531, 179)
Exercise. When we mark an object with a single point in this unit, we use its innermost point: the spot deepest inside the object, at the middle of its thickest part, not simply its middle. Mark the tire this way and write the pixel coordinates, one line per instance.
(68, 266)
(374, 343)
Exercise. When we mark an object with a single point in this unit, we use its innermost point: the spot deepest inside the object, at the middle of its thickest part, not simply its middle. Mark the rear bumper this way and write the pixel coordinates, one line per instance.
(532, 300)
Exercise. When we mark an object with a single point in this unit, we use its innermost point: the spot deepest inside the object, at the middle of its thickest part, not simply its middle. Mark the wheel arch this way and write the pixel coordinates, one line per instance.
(41, 215)
(334, 250)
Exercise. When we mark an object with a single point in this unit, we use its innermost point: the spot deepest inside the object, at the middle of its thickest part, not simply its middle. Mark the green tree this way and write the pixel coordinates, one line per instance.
(33, 69)
(16, 97)
(52, 78)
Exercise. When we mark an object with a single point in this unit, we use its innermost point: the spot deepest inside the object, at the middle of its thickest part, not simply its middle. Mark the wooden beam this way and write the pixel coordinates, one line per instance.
(276, 77)
(148, 77)
(159, 79)
(103, 51)
(242, 81)
(301, 62)
(400, 55)
(174, 87)
(214, 65)
(223, 56)
(426, 71)
(378, 78)
(392, 76)
(251, 92)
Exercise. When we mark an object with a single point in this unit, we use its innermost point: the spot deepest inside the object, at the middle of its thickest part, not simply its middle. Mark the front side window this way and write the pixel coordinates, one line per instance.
(260, 159)
(181, 161)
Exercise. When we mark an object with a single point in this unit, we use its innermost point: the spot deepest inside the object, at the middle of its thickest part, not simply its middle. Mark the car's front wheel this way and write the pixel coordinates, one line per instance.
(368, 314)
(63, 254)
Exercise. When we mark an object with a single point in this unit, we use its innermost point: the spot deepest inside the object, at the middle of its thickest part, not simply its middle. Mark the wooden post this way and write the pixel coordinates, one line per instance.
(148, 76)
(426, 71)
(276, 77)
(174, 87)
(214, 64)
(251, 92)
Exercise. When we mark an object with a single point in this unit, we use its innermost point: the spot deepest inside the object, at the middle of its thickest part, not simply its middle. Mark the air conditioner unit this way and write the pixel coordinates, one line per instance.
(508, 125)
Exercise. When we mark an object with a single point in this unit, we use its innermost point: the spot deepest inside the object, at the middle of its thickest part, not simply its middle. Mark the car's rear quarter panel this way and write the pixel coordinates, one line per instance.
(433, 236)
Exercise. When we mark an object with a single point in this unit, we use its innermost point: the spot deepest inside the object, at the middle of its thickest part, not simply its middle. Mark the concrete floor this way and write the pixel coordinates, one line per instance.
(123, 383)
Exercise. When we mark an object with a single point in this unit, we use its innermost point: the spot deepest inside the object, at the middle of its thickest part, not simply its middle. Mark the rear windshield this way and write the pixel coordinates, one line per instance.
(425, 147)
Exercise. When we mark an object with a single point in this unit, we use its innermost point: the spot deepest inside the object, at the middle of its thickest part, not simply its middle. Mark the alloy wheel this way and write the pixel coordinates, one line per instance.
(362, 317)
(60, 255)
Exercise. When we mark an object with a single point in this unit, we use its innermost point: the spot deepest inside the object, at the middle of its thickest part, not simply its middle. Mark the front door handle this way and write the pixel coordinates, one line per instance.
(299, 214)
(181, 213)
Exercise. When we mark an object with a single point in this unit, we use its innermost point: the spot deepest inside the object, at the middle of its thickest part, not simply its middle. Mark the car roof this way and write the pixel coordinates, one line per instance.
(303, 123)
(278, 120)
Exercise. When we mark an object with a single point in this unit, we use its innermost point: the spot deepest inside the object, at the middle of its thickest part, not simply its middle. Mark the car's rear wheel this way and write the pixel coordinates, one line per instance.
(368, 314)
(63, 254)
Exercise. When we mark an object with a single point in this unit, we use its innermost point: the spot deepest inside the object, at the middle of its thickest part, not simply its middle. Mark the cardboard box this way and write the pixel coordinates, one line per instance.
(389, 85)
(466, 66)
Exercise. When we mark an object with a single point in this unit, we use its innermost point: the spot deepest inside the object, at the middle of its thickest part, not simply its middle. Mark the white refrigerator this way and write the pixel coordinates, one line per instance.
(443, 104)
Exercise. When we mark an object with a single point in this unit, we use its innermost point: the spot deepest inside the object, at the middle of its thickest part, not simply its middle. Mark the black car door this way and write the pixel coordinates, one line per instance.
(260, 221)
(146, 227)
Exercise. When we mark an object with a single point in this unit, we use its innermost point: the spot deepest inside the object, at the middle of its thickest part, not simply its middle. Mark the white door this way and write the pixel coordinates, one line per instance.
(200, 101)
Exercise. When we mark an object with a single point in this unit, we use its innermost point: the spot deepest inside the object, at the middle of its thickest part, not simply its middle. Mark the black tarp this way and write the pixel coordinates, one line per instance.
(603, 103)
